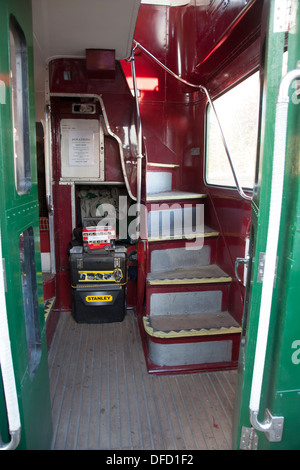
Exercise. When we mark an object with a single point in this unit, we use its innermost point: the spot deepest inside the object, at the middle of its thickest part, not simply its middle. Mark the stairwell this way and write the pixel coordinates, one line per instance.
(186, 323)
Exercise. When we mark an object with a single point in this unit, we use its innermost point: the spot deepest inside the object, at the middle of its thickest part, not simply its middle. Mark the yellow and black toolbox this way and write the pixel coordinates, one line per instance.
(98, 284)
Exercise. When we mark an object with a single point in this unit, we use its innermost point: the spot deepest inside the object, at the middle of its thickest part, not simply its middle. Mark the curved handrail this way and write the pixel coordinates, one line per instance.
(204, 90)
(109, 131)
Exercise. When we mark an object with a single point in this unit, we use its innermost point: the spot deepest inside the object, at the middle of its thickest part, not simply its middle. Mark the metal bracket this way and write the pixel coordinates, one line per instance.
(272, 426)
(275, 432)
(249, 439)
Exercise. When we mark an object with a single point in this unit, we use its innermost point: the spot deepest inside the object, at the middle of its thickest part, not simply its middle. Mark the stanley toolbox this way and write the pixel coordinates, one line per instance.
(98, 285)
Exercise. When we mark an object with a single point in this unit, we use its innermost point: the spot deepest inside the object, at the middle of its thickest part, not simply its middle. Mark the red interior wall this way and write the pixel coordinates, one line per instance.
(119, 106)
(201, 44)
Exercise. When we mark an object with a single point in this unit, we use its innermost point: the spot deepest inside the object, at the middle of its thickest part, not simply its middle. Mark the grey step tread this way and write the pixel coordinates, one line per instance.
(191, 275)
(201, 324)
(208, 232)
(174, 195)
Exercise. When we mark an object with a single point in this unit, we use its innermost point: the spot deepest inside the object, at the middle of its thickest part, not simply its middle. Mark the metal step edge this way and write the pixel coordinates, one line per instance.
(48, 305)
(208, 233)
(204, 274)
(174, 195)
(170, 334)
(202, 280)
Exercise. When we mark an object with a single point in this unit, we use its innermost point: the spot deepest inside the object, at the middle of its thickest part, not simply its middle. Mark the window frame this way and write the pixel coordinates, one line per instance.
(19, 83)
(30, 299)
(206, 126)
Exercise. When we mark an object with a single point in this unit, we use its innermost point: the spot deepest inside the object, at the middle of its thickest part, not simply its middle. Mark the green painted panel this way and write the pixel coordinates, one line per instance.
(17, 214)
(282, 378)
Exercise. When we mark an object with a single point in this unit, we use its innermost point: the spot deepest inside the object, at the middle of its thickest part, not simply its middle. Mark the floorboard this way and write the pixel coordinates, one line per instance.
(103, 397)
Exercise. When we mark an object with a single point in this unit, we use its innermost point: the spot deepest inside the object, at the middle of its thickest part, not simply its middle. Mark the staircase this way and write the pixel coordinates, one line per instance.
(186, 323)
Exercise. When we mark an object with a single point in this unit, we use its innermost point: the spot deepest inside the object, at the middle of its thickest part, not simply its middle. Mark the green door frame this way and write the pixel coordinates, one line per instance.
(281, 381)
(19, 222)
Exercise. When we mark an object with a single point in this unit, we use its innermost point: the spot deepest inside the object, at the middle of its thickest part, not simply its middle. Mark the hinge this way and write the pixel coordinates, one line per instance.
(4, 274)
(283, 15)
(2, 92)
(249, 439)
(261, 267)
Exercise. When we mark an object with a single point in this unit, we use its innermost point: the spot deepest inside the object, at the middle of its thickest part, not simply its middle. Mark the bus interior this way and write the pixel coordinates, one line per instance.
(152, 121)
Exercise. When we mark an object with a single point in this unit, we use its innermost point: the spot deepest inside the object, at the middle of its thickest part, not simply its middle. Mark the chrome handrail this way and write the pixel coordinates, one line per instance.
(139, 141)
(107, 127)
(48, 181)
(204, 90)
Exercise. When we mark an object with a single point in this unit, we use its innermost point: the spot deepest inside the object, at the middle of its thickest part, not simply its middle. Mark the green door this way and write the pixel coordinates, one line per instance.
(19, 225)
(276, 426)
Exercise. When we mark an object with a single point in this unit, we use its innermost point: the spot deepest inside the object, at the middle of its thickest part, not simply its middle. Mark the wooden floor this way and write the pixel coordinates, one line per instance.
(103, 397)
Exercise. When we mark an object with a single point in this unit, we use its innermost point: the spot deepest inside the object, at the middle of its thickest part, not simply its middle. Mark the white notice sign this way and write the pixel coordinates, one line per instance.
(81, 148)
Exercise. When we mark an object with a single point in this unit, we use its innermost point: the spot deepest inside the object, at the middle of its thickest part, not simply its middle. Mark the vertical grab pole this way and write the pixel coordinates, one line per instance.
(139, 142)
(7, 370)
(271, 425)
(48, 180)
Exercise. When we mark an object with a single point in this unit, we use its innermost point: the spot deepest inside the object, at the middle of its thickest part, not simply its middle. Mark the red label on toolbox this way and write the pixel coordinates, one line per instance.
(98, 237)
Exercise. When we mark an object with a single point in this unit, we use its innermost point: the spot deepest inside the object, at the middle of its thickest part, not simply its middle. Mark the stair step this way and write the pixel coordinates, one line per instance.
(174, 195)
(170, 258)
(173, 220)
(207, 233)
(158, 182)
(188, 303)
(201, 324)
(191, 275)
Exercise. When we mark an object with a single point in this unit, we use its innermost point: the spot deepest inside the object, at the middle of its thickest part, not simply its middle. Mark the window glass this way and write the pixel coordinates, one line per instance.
(30, 299)
(238, 111)
(20, 107)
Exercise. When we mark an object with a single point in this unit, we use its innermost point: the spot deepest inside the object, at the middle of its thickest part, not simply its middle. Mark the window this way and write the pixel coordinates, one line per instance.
(20, 106)
(30, 300)
(238, 111)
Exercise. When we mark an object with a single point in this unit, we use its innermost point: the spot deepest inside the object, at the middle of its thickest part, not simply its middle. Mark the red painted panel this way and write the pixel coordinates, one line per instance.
(100, 63)
(63, 291)
(173, 116)
(62, 224)
(49, 287)
(78, 81)
(119, 106)
(45, 242)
